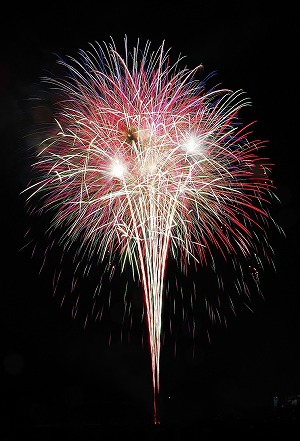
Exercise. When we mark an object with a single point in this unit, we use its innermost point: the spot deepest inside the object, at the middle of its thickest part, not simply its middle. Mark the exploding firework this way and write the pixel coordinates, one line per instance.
(145, 163)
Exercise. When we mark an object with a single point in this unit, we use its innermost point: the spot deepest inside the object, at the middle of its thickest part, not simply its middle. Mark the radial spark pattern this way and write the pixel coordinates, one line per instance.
(145, 163)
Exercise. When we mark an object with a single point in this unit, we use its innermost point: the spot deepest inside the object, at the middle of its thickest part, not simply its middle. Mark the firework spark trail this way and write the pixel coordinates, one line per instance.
(146, 164)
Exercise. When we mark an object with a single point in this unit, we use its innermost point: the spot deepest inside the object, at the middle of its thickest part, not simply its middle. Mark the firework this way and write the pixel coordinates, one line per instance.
(145, 163)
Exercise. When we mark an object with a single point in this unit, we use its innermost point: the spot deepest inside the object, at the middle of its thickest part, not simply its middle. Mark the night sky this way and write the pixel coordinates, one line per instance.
(53, 369)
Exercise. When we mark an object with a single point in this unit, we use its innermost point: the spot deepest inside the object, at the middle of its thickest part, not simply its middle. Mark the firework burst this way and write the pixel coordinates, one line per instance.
(144, 163)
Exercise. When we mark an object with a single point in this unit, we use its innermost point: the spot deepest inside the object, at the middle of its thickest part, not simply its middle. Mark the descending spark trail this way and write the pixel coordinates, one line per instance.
(145, 163)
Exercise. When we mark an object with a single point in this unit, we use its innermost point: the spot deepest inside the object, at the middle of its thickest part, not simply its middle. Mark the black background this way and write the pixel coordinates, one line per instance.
(55, 371)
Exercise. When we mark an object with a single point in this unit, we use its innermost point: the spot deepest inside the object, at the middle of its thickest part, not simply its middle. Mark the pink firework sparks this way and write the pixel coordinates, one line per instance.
(144, 163)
